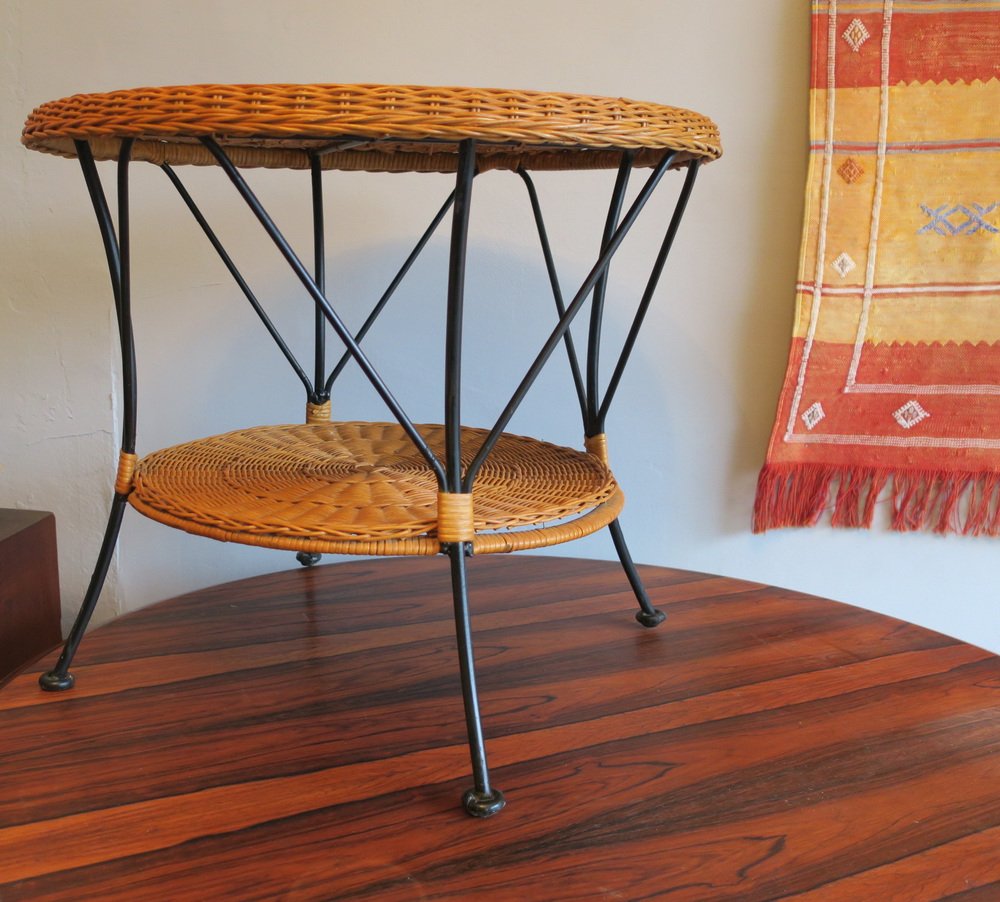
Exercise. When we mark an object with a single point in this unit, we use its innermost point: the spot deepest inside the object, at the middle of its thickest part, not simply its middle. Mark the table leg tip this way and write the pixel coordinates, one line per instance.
(53, 681)
(650, 619)
(480, 804)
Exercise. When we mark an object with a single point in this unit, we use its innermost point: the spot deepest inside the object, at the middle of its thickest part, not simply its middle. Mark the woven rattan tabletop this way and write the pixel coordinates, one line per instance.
(372, 127)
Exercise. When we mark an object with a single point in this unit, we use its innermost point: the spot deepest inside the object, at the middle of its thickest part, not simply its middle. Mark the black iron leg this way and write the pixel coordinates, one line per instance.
(60, 678)
(648, 615)
(307, 559)
(482, 800)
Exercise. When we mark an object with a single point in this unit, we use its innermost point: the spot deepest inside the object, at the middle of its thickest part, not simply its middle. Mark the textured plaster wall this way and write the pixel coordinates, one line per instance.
(695, 407)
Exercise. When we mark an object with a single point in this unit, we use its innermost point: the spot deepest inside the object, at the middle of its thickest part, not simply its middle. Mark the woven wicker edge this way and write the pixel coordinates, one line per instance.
(483, 543)
(401, 127)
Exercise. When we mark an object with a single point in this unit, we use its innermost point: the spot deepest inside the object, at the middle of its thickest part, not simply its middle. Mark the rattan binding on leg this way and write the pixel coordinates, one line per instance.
(126, 471)
(318, 413)
(598, 446)
(456, 522)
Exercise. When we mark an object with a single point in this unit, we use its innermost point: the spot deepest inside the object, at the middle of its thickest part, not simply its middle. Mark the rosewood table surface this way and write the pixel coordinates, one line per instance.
(300, 736)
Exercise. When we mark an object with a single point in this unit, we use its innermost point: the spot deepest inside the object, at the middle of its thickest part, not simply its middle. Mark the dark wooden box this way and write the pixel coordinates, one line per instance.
(29, 588)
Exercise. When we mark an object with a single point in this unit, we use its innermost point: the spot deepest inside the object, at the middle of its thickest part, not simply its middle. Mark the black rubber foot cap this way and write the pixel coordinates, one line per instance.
(651, 620)
(56, 682)
(308, 560)
(480, 804)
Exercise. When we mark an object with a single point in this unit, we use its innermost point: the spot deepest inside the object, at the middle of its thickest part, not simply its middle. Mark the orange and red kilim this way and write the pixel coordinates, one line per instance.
(893, 382)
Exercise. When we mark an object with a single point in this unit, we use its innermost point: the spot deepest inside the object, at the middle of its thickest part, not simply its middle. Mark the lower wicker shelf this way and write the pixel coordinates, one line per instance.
(363, 488)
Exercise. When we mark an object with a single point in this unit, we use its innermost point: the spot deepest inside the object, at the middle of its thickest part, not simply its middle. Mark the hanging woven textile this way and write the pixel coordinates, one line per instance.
(893, 381)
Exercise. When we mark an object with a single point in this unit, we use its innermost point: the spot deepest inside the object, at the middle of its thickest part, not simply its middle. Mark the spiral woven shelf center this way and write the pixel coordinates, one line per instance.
(364, 488)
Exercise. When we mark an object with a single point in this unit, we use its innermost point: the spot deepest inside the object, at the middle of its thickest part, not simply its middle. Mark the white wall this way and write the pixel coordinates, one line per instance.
(689, 433)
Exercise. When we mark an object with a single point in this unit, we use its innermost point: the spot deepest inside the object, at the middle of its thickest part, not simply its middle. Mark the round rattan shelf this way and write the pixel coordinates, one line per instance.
(372, 127)
(363, 488)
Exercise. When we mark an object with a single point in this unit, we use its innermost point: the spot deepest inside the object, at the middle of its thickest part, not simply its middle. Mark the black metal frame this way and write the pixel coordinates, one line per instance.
(483, 799)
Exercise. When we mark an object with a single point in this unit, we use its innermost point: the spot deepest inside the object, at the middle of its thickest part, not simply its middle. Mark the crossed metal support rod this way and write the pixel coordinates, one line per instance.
(239, 279)
(593, 409)
(483, 799)
(390, 291)
(572, 309)
(318, 395)
(323, 304)
(600, 292)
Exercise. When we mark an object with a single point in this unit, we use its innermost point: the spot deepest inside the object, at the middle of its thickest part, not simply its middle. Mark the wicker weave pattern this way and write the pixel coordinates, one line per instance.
(274, 125)
(341, 484)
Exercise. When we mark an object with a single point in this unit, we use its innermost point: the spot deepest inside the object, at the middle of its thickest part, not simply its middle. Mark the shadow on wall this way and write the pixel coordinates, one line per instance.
(763, 311)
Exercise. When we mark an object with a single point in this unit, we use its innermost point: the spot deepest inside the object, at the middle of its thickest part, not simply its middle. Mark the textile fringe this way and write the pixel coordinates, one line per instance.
(942, 501)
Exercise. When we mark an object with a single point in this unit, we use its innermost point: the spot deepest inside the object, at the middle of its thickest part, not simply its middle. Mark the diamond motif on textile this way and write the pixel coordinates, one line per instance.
(813, 414)
(856, 34)
(850, 170)
(959, 219)
(843, 264)
(910, 414)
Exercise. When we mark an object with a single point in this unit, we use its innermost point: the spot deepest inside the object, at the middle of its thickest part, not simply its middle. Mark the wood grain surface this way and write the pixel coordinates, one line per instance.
(300, 736)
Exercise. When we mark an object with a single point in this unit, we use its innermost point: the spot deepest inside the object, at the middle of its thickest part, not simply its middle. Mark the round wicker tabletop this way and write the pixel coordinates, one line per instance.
(372, 127)
(363, 488)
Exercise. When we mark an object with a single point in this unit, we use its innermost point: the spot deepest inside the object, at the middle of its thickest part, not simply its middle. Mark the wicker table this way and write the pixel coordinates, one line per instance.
(394, 487)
